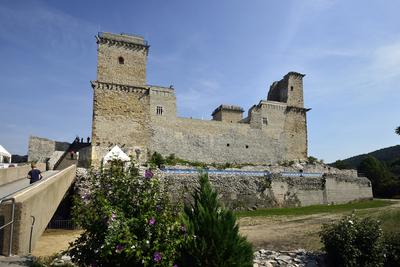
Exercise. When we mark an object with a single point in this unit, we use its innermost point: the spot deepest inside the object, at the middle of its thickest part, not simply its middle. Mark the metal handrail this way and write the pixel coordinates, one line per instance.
(30, 236)
(11, 222)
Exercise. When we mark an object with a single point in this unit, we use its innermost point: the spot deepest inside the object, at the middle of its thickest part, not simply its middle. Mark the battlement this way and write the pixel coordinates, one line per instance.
(161, 90)
(119, 87)
(122, 39)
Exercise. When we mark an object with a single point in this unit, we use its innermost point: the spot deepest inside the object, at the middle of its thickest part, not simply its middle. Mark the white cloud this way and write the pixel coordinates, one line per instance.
(385, 61)
(199, 99)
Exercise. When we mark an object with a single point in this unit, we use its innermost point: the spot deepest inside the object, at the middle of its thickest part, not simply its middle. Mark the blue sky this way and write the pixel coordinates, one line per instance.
(213, 52)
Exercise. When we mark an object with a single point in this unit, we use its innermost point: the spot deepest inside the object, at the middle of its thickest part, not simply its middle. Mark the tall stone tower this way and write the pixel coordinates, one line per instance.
(121, 59)
(289, 90)
(121, 98)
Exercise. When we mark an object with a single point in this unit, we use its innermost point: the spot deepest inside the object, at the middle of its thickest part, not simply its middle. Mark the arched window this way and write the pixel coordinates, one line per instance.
(121, 60)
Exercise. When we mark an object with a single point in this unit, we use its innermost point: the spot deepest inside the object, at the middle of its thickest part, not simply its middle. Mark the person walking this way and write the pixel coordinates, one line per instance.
(35, 174)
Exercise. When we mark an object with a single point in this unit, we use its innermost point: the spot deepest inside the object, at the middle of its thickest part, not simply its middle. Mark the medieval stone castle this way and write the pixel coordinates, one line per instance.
(141, 118)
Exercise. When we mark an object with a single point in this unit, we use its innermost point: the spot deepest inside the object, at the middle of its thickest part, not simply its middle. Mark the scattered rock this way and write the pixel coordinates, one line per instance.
(62, 260)
(300, 258)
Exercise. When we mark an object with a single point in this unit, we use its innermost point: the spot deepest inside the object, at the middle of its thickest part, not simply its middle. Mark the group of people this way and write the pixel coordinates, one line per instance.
(77, 140)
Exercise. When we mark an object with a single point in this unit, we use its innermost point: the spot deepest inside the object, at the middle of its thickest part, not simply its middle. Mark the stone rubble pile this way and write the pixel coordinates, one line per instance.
(296, 258)
(262, 258)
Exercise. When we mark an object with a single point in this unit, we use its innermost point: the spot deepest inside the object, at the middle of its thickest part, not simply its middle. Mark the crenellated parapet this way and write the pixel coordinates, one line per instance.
(295, 74)
(161, 91)
(120, 87)
(134, 42)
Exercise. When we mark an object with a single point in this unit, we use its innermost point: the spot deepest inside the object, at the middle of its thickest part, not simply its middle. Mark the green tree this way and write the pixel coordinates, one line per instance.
(383, 184)
(397, 131)
(340, 164)
(214, 239)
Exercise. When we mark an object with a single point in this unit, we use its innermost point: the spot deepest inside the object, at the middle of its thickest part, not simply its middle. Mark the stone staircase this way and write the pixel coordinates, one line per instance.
(66, 160)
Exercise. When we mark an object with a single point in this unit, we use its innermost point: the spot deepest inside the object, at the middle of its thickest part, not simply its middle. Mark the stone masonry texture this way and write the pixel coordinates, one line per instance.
(240, 192)
(41, 149)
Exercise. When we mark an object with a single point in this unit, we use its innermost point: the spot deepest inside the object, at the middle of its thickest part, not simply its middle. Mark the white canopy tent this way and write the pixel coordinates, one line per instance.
(116, 153)
(5, 156)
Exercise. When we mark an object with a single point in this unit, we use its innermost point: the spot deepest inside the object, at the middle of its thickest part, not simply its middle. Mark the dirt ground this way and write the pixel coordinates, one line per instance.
(53, 241)
(294, 232)
(277, 232)
(285, 232)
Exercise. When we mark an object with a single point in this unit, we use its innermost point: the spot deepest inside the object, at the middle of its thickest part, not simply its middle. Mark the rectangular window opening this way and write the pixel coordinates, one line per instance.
(159, 110)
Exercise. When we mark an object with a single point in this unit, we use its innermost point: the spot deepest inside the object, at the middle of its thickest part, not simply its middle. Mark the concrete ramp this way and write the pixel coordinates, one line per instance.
(33, 209)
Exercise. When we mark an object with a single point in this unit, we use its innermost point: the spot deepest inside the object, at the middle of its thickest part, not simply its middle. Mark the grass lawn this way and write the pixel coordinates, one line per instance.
(358, 205)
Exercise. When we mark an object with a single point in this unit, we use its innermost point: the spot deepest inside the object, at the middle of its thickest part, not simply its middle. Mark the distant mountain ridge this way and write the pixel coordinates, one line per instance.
(387, 155)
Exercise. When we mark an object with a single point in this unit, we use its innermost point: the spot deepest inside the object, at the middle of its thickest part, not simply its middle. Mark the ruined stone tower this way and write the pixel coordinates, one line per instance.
(141, 118)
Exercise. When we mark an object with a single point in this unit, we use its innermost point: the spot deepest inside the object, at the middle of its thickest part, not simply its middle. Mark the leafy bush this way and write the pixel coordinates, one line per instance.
(127, 221)
(214, 235)
(312, 160)
(353, 242)
(157, 160)
(392, 249)
(171, 160)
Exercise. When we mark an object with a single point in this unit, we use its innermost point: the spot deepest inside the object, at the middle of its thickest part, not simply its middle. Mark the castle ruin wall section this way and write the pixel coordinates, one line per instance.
(41, 149)
(245, 191)
(295, 133)
(341, 189)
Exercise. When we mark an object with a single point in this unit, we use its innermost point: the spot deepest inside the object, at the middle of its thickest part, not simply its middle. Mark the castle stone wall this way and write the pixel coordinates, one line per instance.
(342, 189)
(215, 141)
(284, 137)
(120, 118)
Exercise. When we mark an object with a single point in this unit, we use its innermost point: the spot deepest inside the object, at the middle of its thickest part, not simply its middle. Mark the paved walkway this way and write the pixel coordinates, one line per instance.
(13, 187)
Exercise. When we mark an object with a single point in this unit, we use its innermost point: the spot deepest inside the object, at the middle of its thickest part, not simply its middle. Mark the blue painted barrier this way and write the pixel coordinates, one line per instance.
(227, 172)
(239, 172)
